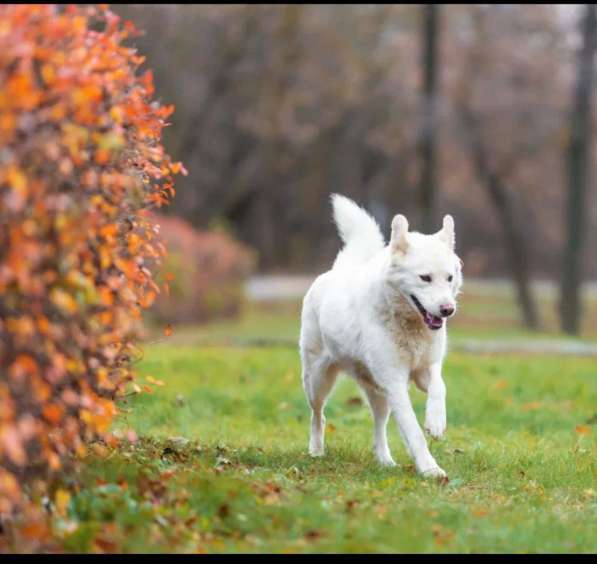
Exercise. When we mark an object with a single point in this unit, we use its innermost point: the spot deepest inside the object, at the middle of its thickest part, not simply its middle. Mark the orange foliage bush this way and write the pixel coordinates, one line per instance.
(204, 272)
(80, 157)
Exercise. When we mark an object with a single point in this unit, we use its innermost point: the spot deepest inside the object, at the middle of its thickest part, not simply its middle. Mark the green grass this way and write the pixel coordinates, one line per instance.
(522, 478)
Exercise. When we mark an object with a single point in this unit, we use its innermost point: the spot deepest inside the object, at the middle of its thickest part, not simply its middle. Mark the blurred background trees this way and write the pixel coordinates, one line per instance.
(406, 108)
(578, 169)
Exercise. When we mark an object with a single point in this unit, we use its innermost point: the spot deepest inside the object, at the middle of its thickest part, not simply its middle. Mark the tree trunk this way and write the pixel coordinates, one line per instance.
(577, 157)
(272, 216)
(502, 202)
(429, 64)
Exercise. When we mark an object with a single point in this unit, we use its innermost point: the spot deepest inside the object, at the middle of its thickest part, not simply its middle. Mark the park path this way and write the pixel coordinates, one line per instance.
(285, 287)
(280, 286)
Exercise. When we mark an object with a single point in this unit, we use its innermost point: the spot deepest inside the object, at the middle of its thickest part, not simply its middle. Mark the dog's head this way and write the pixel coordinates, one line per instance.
(426, 270)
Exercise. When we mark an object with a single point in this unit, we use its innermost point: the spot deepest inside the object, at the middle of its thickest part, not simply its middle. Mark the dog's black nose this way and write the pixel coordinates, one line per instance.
(446, 310)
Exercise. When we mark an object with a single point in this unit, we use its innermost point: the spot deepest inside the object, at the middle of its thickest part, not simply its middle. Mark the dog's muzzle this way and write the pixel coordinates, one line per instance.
(432, 321)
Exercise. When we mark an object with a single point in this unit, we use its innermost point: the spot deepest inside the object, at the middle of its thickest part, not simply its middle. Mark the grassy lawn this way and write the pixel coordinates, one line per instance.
(221, 463)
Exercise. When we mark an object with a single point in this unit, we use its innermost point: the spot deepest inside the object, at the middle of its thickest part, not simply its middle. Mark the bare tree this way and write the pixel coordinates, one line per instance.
(430, 67)
(495, 163)
(577, 157)
(501, 200)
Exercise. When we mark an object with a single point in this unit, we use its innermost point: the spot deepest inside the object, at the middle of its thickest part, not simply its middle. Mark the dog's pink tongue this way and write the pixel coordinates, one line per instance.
(432, 321)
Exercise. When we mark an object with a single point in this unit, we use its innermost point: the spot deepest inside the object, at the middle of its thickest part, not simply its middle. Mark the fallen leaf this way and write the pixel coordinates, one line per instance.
(531, 406)
(105, 545)
(313, 535)
(501, 384)
(355, 400)
(441, 534)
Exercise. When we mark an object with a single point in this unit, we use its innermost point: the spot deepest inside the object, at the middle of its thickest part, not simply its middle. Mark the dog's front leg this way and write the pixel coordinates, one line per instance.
(391, 373)
(435, 408)
(410, 430)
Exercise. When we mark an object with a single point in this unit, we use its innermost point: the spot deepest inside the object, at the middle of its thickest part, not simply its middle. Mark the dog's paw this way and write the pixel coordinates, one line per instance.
(434, 472)
(386, 461)
(316, 452)
(383, 456)
(435, 423)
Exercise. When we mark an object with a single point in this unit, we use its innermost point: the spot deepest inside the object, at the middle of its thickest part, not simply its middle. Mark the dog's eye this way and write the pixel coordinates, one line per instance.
(425, 278)
(450, 278)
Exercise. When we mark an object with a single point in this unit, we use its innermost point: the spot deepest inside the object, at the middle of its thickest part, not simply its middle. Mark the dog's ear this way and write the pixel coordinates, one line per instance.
(398, 241)
(446, 233)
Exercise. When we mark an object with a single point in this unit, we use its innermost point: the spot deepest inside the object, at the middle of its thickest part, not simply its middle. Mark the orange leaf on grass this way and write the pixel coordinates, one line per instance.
(583, 429)
(501, 384)
(531, 406)
(154, 381)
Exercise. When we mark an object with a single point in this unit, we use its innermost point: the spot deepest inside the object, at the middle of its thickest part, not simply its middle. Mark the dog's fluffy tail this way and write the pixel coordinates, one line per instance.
(359, 231)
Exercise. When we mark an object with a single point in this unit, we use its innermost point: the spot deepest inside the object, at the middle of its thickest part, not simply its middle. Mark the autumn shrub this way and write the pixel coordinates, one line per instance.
(80, 161)
(204, 273)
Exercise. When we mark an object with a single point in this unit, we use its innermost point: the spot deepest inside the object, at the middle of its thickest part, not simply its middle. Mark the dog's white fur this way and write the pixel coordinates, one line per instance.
(360, 318)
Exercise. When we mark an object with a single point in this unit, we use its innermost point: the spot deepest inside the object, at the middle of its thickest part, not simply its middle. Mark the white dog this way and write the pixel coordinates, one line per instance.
(378, 315)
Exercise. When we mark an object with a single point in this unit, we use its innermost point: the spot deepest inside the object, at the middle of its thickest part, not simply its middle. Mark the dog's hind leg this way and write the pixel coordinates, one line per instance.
(318, 374)
(380, 409)
(321, 376)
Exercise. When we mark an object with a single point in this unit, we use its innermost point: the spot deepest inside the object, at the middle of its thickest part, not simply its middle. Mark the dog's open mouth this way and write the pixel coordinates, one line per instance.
(432, 321)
